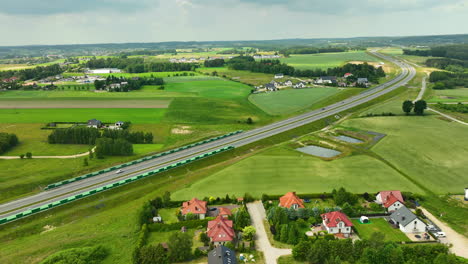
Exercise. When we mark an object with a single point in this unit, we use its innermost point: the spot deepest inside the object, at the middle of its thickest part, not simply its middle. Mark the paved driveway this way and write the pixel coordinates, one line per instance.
(257, 215)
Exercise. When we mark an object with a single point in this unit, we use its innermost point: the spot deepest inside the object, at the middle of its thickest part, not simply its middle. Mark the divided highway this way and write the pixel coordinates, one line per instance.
(57, 194)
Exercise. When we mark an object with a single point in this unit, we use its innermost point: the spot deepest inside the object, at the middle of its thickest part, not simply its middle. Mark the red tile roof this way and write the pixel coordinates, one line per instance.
(333, 218)
(224, 211)
(194, 206)
(391, 199)
(220, 230)
(384, 195)
(289, 199)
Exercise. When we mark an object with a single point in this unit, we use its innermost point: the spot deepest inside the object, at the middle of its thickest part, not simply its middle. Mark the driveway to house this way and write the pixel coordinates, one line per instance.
(459, 242)
(257, 215)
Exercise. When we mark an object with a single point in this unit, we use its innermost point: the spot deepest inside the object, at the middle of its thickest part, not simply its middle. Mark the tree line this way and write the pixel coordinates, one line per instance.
(138, 65)
(214, 63)
(7, 141)
(137, 137)
(132, 83)
(89, 135)
(113, 147)
(36, 73)
(451, 57)
(448, 80)
(311, 50)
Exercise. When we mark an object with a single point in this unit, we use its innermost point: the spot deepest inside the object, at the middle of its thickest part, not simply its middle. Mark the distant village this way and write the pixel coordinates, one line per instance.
(202, 59)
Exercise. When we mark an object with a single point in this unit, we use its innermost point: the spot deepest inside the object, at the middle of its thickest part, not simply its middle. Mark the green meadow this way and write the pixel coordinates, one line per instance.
(327, 60)
(450, 95)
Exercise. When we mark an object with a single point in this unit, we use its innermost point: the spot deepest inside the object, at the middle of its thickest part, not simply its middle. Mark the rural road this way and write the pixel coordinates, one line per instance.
(257, 215)
(51, 157)
(447, 116)
(459, 242)
(238, 140)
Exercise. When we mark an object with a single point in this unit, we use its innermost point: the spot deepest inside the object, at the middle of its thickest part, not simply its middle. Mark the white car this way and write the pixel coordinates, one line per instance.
(440, 234)
(118, 171)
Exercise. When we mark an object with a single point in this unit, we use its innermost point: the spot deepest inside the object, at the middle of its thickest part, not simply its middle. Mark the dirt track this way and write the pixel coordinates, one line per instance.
(29, 104)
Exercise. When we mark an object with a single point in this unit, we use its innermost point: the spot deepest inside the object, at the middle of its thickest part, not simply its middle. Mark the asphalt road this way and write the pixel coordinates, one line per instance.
(45, 197)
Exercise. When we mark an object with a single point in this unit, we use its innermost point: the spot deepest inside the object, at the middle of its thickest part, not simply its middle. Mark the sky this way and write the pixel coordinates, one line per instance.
(29, 22)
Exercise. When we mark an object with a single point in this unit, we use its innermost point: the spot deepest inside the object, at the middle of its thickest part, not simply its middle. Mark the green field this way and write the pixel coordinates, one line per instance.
(327, 60)
(219, 88)
(252, 78)
(279, 170)
(292, 100)
(429, 150)
(379, 225)
(450, 96)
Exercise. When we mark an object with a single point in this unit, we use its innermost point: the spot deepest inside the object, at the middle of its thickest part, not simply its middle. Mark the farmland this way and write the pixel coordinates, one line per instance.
(327, 60)
(292, 100)
(450, 95)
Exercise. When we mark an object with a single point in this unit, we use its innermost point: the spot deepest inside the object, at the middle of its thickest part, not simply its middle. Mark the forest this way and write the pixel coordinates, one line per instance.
(138, 65)
(34, 73)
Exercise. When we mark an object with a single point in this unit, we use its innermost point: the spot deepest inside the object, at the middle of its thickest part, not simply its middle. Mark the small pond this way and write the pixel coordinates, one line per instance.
(349, 139)
(319, 151)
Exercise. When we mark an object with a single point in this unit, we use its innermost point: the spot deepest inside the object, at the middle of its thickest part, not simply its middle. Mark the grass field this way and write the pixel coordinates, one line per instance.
(219, 88)
(252, 78)
(54, 104)
(437, 147)
(145, 93)
(280, 169)
(327, 60)
(379, 225)
(292, 100)
(450, 96)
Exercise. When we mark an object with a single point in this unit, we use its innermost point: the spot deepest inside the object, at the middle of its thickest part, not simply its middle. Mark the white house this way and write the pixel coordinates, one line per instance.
(279, 76)
(104, 70)
(299, 85)
(288, 83)
(326, 80)
(407, 221)
(337, 223)
(391, 200)
(466, 194)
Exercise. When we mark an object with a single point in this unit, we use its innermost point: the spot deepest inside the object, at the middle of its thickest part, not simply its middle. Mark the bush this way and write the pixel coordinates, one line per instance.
(7, 141)
(28, 155)
(85, 255)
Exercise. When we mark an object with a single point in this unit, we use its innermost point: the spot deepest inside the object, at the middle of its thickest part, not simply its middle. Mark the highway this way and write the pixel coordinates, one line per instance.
(45, 197)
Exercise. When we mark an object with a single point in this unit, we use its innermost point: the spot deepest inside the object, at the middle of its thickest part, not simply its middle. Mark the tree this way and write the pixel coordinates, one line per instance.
(300, 251)
(166, 199)
(407, 106)
(419, 107)
(21, 156)
(248, 233)
(91, 154)
(284, 233)
(204, 239)
(153, 254)
(28, 155)
(85, 162)
(249, 121)
(180, 247)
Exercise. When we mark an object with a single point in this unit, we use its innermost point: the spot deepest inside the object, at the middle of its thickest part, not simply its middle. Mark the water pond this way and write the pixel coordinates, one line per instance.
(319, 151)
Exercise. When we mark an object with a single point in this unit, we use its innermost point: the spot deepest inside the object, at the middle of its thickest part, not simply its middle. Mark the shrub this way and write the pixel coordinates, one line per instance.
(88, 255)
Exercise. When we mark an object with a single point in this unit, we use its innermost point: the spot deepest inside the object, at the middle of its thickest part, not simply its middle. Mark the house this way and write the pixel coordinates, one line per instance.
(348, 74)
(279, 76)
(391, 200)
(94, 123)
(407, 221)
(104, 70)
(466, 194)
(299, 85)
(270, 87)
(224, 212)
(119, 123)
(362, 81)
(220, 231)
(194, 206)
(326, 80)
(337, 223)
(288, 83)
(291, 200)
(222, 255)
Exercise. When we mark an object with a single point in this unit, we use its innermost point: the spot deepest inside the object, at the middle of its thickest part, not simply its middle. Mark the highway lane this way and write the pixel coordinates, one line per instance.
(14, 207)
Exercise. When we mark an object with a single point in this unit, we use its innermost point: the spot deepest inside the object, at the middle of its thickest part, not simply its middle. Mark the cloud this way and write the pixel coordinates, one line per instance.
(51, 7)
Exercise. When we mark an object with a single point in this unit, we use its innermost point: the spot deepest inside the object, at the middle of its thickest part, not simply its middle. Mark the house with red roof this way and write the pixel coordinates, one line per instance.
(346, 75)
(291, 200)
(220, 231)
(194, 206)
(337, 223)
(224, 212)
(391, 200)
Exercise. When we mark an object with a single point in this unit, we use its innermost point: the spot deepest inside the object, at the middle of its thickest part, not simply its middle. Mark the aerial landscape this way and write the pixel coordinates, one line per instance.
(237, 131)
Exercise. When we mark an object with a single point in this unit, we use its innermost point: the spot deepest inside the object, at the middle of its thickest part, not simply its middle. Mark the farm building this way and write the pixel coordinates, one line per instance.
(222, 255)
(194, 206)
(407, 221)
(337, 223)
(220, 231)
(291, 200)
(279, 76)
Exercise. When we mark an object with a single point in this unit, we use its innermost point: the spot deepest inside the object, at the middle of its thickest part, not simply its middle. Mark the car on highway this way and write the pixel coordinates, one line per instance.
(118, 171)
(440, 234)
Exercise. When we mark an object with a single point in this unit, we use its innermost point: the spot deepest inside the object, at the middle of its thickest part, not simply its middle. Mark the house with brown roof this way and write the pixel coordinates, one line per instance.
(224, 212)
(337, 223)
(220, 231)
(291, 200)
(391, 200)
(194, 206)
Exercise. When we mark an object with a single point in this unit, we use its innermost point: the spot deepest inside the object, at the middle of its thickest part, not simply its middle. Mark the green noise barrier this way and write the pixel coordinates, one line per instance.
(89, 175)
(109, 186)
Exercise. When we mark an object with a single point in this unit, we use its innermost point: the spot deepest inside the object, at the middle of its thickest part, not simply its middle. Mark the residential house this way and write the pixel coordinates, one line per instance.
(291, 200)
(222, 255)
(348, 74)
(299, 85)
(288, 83)
(391, 200)
(119, 123)
(362, 81)
(279, 76)
(104, 70)
(94, 123)
(270, 87)
(194, 206)
(326, 80)
(337, 223)
(407, 221)
(220, 231)
(224, 212)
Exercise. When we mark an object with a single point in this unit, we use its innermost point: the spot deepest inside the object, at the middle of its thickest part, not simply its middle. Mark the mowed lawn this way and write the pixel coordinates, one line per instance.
(292, 100)
(326, 60)
(280, 169)
(111, 115)
(429, 150)
(450, 96)
(379, 225)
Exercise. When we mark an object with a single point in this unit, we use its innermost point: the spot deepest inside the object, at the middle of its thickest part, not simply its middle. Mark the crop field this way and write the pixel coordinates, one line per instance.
(450, 95)
(279, 170)
(327, 60)
(109, 115)
(252, 78)
(379, 225)
(437, 147)
(47, 104)
(292, 100)
(219, 88)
